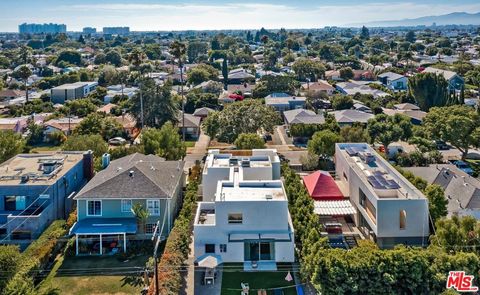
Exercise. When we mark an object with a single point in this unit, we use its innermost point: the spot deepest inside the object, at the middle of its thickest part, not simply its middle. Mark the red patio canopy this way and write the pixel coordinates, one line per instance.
(322, 187)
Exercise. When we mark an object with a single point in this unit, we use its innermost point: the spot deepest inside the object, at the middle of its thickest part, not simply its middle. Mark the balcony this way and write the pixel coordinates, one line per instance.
(205, 214)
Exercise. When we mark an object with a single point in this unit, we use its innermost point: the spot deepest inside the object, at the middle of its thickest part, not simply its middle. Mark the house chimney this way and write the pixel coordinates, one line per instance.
(105, 160)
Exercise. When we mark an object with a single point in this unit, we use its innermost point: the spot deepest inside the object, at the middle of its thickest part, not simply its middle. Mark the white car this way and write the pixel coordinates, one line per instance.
(117, 141)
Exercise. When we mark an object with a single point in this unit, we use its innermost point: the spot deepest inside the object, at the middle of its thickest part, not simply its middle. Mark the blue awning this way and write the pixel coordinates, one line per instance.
(96, 226)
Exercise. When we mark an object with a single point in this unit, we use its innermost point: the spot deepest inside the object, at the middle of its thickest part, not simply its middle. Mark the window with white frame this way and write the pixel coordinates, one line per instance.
(94, 208)
(126, 205)
(153, 207)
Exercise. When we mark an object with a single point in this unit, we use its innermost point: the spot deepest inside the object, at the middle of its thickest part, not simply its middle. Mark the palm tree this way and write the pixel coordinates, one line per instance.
(24, 72)
(142, 215)
(178, 50)
(136, 58)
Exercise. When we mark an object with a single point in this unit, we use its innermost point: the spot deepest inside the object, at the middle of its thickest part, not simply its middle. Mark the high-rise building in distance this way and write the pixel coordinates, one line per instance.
(42, 28)
(89, 30)
(116, 30)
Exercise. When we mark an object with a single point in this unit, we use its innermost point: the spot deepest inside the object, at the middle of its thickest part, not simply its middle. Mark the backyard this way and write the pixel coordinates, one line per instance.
(95, 275)
(233, 275)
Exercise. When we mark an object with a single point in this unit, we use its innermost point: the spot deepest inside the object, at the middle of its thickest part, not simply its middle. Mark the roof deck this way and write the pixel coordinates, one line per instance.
(251, 191)
(38, 169)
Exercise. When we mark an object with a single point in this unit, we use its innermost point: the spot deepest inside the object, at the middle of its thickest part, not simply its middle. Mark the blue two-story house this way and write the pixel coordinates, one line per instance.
(36, 189)
(107, 222)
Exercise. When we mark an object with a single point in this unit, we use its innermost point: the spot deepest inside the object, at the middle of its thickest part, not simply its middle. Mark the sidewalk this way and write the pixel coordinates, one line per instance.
(197, 152)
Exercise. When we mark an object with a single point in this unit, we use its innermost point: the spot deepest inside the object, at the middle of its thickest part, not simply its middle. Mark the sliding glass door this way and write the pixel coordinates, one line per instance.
(259, 250)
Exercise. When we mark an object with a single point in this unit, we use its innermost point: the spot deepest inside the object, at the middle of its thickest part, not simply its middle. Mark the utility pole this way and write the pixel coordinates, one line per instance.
(141, 104)
(183, 100)
(156, 238)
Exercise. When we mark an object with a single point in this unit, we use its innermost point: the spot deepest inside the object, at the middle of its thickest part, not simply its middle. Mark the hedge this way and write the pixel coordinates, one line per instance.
(35, 258)
(177, 246)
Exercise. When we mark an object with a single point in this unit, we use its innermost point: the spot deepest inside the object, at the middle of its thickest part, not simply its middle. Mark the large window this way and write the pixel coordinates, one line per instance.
(149, 228)
(126, 205)
(153, 207)
(368, 206)
(235, 218)
(403, 219)
(94, 208)
(223, 248)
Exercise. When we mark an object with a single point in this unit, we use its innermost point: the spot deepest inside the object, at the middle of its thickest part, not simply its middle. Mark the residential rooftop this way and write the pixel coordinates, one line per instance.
(376, 172)
(231, 191)
(258, 158)
(38, 169)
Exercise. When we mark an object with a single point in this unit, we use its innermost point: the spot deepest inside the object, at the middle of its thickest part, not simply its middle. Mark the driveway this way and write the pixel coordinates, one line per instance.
(197, 152)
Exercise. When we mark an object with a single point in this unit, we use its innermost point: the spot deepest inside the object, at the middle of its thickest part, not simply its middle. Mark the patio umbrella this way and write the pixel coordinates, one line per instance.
(288, 278)
(210, 261)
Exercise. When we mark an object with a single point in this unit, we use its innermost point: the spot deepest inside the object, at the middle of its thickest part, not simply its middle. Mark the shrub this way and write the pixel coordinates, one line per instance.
(9, 259)
(177, 245)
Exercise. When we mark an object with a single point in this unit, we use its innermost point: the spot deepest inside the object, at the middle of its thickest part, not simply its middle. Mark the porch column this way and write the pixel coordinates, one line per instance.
(76, 245)
(101, 246)
(124, 243)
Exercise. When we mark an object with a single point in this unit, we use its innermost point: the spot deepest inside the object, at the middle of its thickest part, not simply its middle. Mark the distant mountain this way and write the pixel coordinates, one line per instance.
(456, 18)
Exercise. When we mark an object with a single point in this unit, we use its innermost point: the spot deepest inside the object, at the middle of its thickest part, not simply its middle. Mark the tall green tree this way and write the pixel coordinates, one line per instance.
(323, 143)
(458, 234)
(240, 117)
(164, 142)
(437, 203)
(24, 72)
(159, 104)
(387, 129)
(225, 73)
(248, 141)
(308, 69)
(428, 90)
(93, 142)
(11, 144)
(457, 125)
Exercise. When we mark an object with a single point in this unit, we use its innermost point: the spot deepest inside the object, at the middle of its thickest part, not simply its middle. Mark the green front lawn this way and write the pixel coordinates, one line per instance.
(190, 143)
(84, 275)
(233, 275)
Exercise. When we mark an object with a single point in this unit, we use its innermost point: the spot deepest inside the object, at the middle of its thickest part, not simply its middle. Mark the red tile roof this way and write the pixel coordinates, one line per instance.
(322, 187)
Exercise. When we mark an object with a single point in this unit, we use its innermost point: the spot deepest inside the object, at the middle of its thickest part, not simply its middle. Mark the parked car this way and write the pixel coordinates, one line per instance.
(441, 145)
(464, 167)
(117, 141)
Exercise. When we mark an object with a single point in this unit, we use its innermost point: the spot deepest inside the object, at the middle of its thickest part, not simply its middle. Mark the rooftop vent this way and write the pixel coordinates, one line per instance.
(131, 173)
(24, 178)
(268, 197)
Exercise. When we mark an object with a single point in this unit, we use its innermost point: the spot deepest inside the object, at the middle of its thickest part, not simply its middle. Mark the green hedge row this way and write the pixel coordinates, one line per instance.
(35, 258)
(177, 247)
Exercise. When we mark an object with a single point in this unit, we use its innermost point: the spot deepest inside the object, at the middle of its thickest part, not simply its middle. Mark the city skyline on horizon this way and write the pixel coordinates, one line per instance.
(175, 15)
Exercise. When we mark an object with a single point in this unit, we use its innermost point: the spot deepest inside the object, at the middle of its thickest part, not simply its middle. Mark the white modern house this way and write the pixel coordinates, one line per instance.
(263, 164)
(61, 94)
(390, 210)
(248, 222)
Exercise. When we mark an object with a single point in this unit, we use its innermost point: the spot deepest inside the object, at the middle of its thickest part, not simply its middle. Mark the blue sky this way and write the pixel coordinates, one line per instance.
(216, 14)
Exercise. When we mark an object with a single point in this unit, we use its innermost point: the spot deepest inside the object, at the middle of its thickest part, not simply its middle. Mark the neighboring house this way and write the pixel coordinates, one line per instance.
(238, 76)
(116, 90)
(303, 116)
(349, 117)
(35, 189)
(283, 102)
(406, 107)
(62, 93)
(319, 87)
(393, 81)
(247, 220)
(461, 189)
(18, 124)
(191, 125)
(9, 94)
(361, 107)
(107, 108)
(455, 82)
(352, 88)
(390, 210)
(129, 125)
(202, 113)
(333, 75)
(106, 223)
(416, 116)
(263, 164)
(362, 75)
(65, 125)
(246, 89)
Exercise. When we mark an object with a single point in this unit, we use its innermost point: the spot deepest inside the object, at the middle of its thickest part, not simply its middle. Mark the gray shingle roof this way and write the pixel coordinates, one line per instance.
(303, 116)
(352, 116)
(153, 177)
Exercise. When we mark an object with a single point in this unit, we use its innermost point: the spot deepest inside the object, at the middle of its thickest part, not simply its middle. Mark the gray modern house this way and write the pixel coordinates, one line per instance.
(65, 92)
(106, 222)
(36, 189)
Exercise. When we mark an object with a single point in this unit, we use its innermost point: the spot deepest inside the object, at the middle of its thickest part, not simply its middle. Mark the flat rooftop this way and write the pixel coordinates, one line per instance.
(41, 169)
(251, 191)
(257, 158)
(385, 180)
